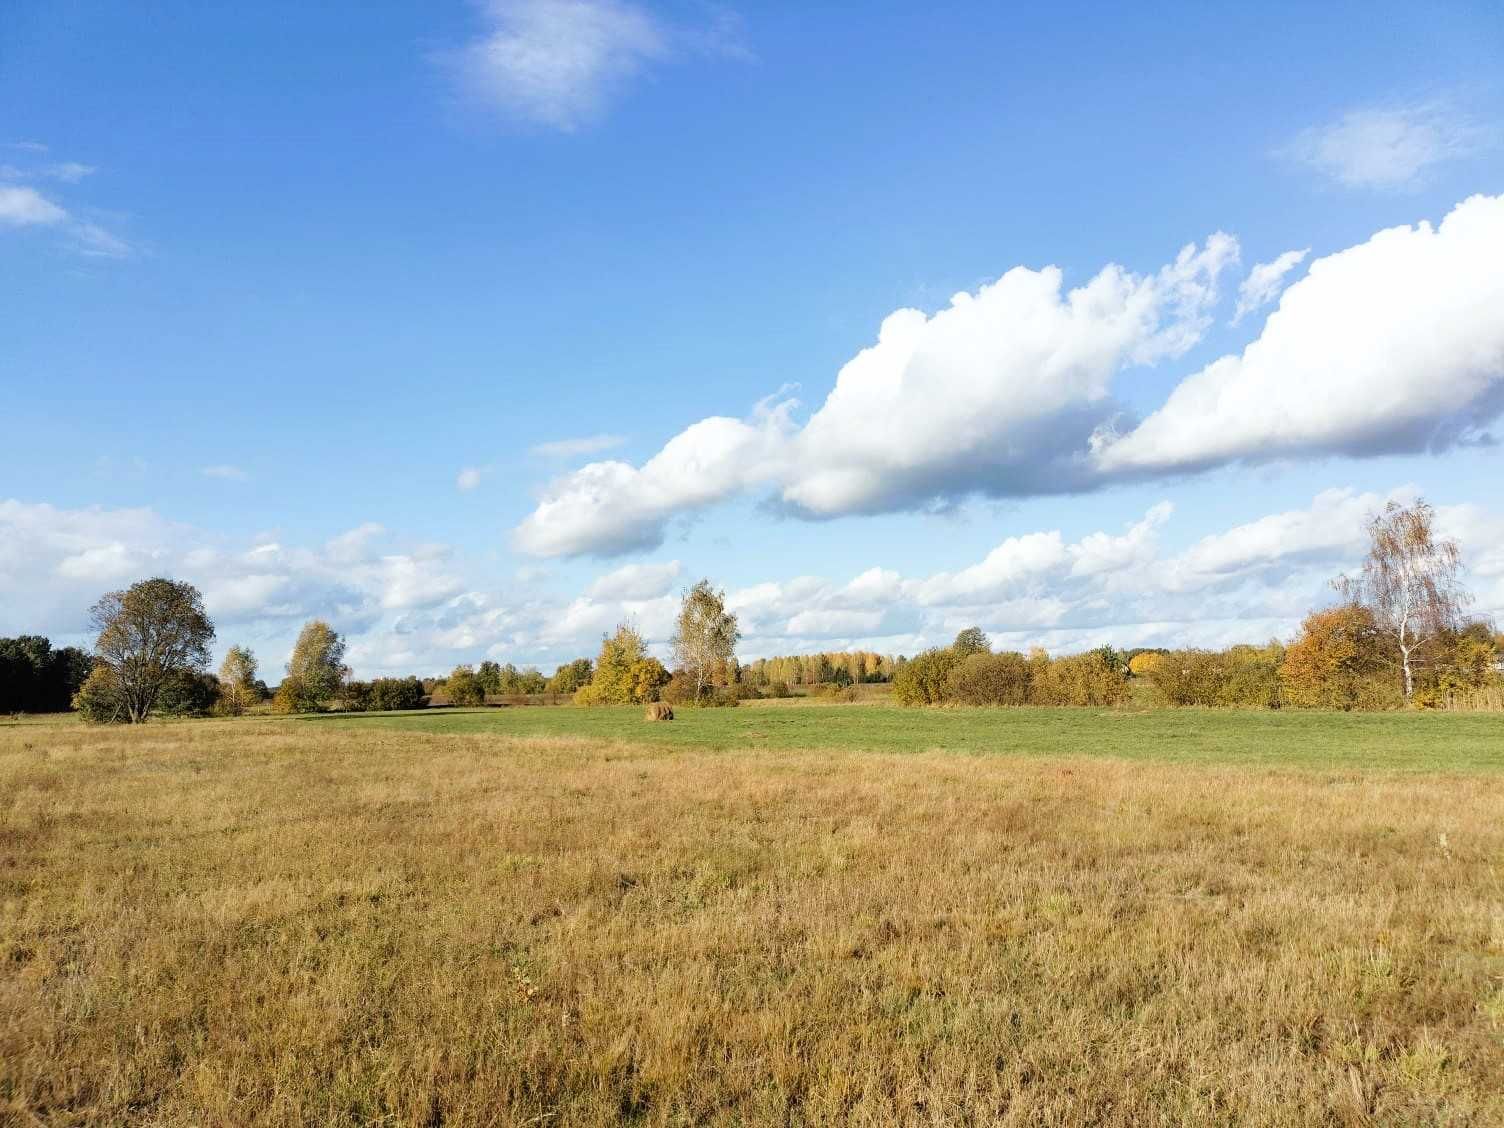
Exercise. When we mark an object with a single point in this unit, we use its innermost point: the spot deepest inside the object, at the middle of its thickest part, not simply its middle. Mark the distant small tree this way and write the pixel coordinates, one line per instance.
(488, 673)
(149, 633)
(973, 640)
(462, 687)
(237, 681)
(1409, 584)
(614, 682)
(316, 668)
(648, 678)
(705, 636)
(571, 676)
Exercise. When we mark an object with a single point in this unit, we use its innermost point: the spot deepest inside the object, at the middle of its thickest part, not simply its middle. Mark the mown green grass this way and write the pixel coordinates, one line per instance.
(1464, 742)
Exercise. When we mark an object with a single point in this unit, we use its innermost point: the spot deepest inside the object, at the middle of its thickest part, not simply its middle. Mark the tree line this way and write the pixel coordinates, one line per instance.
(1399, 634)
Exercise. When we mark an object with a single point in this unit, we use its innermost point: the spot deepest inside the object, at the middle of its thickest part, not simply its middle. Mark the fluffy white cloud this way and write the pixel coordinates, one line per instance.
(608, 508)
(1392, 346)
(998, 393)
(559, 63)
(1264, 282)
(1386, 147)
(636, 581)
(410, 611)
(1395, 345)
(26, 207)
(55, 562)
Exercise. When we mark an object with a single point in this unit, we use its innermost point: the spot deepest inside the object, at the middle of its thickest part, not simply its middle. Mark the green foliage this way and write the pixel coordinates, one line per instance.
(148, 633)
(971, 641)
(317, 667)
(617, 673)
(571, 677)
(188, 693)
(396, 693)
(99, 701)
(462, 687)
(34, 678)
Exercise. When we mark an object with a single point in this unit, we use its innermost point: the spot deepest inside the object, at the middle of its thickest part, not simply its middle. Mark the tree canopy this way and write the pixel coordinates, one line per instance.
(149, 633)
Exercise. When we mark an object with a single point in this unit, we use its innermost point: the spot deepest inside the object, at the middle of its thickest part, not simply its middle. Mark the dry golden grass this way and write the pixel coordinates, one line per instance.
(266, 922)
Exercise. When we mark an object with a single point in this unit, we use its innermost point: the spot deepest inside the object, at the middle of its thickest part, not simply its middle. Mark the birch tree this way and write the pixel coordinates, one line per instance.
(237, 681)
(705, 636)
(1409, 583)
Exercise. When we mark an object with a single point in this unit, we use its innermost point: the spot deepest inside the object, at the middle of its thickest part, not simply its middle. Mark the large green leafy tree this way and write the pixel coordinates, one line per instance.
(317, 667)
(35, 678)
(149, 634)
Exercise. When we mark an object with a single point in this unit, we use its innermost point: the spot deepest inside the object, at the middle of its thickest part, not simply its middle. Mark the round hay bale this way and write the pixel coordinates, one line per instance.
(658, 711)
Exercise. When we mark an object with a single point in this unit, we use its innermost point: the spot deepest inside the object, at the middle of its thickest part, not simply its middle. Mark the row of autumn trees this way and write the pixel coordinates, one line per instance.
(1399, 634)
(703, 647)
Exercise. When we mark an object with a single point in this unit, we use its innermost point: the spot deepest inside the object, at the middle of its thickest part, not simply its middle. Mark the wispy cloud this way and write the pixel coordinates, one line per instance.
(468, 478)
(226, 472)
(559, 63)
(1387, 147)
(22, 205)
(26, 207)
(573, 448)
(1265, 281)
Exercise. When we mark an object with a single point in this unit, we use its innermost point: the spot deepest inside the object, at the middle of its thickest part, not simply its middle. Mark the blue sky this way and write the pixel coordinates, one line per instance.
(279, 274)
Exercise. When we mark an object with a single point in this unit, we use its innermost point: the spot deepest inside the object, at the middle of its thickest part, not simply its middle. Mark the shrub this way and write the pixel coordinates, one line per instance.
(462, 687)
(98, 699)
(1339, 662)
(989, 679)
(355, 697)
(779, 689)
(1080, 679)
(1189, 677)
(291, 697)
(396, 693)
(922, 679)
(188, 693)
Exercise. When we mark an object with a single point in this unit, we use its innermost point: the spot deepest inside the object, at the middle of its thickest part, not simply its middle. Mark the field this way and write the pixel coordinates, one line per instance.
(783, 914)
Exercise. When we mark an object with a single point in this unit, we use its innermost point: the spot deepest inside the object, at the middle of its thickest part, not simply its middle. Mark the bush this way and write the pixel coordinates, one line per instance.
(922, 680)
(1080, 679)
(98, 699)
(389, 694)
(291, 697)
(779, 689)
(989, 679)
(188, 693)
(462, 687)
(1189, 677)
(355, 697)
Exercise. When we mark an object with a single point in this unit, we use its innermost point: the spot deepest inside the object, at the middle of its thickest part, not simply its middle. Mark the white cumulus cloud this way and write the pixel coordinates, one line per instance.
(1395, 345)
(999, 393)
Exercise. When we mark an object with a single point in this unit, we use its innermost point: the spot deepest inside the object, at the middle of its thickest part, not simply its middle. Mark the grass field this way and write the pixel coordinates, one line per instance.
(769, 915)
(1411, 741)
